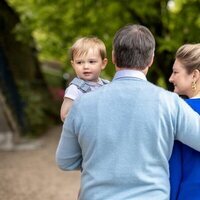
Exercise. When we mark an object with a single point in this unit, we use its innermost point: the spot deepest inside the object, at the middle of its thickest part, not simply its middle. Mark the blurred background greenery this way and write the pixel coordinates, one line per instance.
(40, 33)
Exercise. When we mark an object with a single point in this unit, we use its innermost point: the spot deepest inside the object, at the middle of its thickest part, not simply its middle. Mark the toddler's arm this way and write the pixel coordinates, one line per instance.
(66, 105)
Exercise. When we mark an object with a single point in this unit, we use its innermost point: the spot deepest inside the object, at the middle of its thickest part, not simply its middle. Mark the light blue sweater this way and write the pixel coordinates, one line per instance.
(122, 135)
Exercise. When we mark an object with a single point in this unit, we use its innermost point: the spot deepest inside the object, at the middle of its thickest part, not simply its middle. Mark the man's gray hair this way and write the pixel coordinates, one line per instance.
(133, 47)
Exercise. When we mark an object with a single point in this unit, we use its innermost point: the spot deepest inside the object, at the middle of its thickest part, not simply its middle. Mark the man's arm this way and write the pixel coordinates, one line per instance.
(188, 126)
(68, 154)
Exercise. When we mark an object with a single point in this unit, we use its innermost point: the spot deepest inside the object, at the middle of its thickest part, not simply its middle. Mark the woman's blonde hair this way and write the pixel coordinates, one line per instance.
(82, 46)
(189, 56)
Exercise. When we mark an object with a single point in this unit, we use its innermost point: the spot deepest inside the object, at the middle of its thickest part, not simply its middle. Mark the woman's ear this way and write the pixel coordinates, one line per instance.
(196, 75)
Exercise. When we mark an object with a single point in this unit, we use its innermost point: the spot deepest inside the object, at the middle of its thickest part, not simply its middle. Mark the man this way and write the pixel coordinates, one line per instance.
(121, 135)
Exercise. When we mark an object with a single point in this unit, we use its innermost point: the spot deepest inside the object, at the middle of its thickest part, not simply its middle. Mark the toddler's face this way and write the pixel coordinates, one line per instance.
(88, 66)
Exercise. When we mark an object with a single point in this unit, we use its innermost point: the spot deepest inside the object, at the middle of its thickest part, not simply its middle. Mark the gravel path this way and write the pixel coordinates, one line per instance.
(33, 174)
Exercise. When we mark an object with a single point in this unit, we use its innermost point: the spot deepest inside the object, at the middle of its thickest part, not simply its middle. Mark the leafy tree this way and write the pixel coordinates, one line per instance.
(47, 28)
(21, 80)
(55, 26)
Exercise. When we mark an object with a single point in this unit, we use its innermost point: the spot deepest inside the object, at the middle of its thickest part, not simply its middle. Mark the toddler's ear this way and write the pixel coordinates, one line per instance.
(72, 63)
(105, 62)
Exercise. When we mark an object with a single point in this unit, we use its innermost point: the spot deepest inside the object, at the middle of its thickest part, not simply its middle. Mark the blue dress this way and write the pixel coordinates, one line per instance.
(184, 166)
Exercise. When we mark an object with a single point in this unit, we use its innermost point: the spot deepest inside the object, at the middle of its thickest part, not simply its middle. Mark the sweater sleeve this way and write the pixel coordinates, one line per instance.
(68, 153)
(187, 125)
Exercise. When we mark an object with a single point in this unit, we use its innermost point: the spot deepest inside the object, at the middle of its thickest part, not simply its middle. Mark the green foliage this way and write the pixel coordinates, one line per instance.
(55, 26)
(38, 109)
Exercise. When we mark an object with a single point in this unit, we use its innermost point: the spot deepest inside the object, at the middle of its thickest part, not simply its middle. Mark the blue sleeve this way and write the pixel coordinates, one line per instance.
(175, 169)
(184, 165)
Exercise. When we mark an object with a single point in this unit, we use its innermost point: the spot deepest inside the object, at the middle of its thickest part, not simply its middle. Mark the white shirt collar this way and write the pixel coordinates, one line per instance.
(130, 73)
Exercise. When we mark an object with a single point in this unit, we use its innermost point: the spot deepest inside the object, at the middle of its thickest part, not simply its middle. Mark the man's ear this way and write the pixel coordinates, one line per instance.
(113, 57)
(151, 62)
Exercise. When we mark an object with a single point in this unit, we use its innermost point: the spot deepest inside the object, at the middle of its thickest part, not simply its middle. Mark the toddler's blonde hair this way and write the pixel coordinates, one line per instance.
(82, 46)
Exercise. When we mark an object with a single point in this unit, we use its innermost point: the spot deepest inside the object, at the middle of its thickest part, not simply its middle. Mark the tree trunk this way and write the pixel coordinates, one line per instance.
(20, 73)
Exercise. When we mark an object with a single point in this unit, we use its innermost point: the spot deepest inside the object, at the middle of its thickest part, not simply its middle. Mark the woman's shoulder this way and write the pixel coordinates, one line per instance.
(194, 103)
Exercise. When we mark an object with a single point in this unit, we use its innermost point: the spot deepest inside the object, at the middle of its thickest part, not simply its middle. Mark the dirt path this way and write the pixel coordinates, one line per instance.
(33, 174)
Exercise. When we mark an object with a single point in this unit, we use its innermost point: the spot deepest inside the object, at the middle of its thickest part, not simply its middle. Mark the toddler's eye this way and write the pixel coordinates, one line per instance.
(92, 61)
(79, 62)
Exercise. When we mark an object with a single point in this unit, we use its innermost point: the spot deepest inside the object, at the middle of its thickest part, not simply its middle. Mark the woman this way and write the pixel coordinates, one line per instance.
(185, 162)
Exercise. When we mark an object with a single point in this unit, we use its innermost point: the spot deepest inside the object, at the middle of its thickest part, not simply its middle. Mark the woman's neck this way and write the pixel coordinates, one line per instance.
(197, 95)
